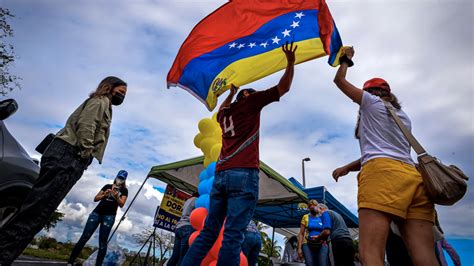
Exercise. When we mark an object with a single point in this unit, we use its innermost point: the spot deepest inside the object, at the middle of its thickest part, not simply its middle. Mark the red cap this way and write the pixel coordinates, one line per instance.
(377, 83)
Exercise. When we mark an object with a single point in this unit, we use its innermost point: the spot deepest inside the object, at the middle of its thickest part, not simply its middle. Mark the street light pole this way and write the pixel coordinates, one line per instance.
(302, 169)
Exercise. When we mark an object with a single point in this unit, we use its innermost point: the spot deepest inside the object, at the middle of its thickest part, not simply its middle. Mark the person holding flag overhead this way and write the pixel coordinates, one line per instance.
(389, 186)
(235, 189)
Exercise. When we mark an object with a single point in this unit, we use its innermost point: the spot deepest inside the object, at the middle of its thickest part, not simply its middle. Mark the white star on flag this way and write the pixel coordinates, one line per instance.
(241, 46)
(276, 40)
(232, 45)
(264, 44)
(299, 15)
(295, 24)
(252, 44)
(286, 33)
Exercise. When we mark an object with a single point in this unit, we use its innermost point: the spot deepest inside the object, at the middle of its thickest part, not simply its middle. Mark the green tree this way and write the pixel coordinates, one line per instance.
(268, 248)
(53, 220)
(8, 82)
(45, 242)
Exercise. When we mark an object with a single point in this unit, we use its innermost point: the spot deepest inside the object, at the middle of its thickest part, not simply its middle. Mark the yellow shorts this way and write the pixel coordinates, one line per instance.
(393, 187)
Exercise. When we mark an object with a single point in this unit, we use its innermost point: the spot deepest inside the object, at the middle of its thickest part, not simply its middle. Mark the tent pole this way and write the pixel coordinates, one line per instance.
(271, 247)
(128, 208)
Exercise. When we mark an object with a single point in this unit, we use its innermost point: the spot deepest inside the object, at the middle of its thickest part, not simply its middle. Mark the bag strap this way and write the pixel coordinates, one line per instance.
(411, 139)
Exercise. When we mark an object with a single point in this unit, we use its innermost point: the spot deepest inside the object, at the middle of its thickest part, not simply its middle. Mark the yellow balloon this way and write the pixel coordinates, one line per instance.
(206, 126)
(197, 140)
(216, 125)
(214, 117)
(217, 135)
(207, 161)
(206, 145)
(215, 152)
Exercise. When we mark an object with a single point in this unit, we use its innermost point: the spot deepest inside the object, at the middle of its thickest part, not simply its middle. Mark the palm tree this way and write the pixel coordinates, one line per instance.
(268, 248)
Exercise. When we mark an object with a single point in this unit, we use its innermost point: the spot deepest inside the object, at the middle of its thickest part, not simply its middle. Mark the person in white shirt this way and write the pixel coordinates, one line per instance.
(389, 186)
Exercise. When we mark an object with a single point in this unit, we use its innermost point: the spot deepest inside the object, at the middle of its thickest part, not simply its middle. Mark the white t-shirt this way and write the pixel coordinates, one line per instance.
(379, 134)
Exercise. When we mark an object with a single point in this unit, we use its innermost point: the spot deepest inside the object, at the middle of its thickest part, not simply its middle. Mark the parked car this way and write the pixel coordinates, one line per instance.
(18, 171)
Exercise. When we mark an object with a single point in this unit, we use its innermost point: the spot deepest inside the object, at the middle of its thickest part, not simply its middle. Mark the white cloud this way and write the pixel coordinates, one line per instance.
(424, 49)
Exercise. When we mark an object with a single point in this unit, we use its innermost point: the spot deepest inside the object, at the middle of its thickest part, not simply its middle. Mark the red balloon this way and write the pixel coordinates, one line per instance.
(208, 260)
(217, 245)
(213, 263)
(198, 218)
(243, 260)
(192, 237)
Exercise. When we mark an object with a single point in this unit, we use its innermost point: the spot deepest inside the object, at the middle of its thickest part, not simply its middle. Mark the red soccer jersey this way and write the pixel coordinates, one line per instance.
(240, 124)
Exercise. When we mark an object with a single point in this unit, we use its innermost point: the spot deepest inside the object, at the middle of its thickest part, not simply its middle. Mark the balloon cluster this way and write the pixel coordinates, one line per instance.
(197, 219)
(209, 140)
(206, 179)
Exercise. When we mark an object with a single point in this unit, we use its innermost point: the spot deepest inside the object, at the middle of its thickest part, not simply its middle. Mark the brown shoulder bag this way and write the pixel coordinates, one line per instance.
(445, 185)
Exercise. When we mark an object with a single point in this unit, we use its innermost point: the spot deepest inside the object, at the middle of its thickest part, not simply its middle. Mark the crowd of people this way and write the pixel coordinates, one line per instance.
(390, 189)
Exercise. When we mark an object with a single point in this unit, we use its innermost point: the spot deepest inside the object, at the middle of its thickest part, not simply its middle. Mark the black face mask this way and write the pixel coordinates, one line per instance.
(313, 212)
(117, 99)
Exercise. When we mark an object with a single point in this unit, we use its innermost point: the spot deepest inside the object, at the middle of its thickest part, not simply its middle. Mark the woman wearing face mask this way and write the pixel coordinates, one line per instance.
(63, 162)
(310, 246)
(111, 197)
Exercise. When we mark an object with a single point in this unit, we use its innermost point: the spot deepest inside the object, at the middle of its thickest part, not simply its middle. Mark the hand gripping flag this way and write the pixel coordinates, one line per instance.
(241, 41)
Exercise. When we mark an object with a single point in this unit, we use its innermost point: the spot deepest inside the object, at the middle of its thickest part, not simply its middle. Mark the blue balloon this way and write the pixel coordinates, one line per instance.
(211, 169)
(203, 187)
(209, 184)
(202, 201)
(203, 175)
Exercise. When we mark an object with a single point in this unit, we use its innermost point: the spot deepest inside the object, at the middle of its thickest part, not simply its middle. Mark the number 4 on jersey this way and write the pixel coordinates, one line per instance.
(231, 126)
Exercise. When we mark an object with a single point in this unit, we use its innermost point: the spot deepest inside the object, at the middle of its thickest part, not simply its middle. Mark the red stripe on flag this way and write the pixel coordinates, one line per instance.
(240, 18)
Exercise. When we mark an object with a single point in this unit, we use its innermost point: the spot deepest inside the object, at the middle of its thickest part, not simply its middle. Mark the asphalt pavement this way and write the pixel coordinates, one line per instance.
(29, 261)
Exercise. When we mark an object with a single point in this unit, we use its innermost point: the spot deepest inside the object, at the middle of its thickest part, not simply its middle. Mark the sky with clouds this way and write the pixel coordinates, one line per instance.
(424, 49)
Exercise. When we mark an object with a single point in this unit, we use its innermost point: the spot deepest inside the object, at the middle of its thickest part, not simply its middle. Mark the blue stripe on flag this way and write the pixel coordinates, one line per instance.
(200, 72)
(336, 43)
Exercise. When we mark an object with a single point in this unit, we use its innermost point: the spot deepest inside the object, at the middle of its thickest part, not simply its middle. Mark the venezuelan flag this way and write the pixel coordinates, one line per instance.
(241, 41)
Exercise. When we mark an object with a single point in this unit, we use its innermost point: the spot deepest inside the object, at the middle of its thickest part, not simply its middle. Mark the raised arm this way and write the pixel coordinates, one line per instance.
(285, 81)
(344, 170)
(340, 79)
(228, 100)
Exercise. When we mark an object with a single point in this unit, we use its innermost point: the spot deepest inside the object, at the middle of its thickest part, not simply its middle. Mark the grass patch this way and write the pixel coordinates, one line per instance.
(45, 254)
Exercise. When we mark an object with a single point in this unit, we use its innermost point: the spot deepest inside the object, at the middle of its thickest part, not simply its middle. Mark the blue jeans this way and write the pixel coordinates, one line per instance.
(234, 194)
(316, 258)
(251, 247)
(106, 222)
(181, 246)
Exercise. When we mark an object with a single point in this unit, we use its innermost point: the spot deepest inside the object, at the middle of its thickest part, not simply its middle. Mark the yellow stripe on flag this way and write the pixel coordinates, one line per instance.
(256, 67)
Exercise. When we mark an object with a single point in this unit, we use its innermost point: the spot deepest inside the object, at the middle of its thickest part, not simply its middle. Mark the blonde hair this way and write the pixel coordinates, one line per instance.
(312, 202)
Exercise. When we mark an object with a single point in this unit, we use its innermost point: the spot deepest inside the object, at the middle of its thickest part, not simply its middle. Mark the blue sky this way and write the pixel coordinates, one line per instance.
(424, 49)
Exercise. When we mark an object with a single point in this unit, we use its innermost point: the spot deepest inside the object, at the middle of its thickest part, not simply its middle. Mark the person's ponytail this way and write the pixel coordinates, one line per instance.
(394, 101)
